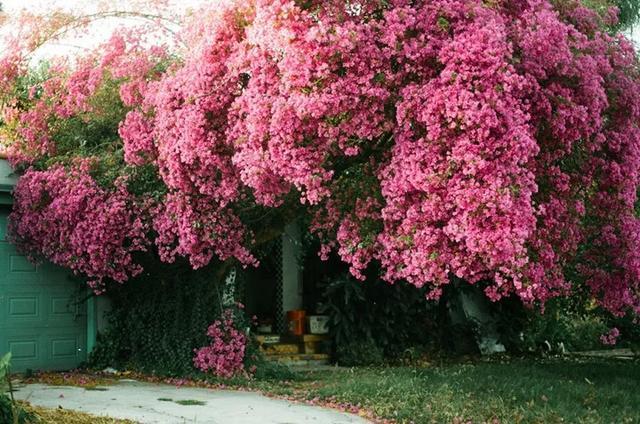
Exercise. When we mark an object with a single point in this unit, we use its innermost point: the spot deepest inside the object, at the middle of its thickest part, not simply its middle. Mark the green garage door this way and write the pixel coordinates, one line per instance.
(39, 320)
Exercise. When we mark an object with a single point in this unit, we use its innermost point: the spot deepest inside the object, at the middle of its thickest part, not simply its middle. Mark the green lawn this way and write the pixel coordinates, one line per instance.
(510, 391)
(521, 391)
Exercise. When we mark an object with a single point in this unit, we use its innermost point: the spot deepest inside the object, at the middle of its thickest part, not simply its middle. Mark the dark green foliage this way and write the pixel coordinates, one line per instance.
(574, 323)
(28, 86)
(359, 352)
(372, 320)
(628, 15)
(158, 319)
(10, 411)
(629, 12)
(272, 371)
(190, 402)
(556, 328)
(96, 133)
(629, 331)
(144, 180)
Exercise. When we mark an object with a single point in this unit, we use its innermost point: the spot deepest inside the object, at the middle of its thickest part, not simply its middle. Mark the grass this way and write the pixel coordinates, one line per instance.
(66, 416)
(77, 379)
(519, 391)
(528, 390)
(185, 402)
(189, 402)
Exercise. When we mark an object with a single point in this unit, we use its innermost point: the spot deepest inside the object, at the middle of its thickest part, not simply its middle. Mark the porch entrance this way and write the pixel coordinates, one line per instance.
(277, 287)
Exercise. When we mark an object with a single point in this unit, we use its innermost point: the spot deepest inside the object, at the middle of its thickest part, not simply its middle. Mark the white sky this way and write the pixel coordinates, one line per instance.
(102, 30)
(12, 6)
(635, 35)
(99, 31)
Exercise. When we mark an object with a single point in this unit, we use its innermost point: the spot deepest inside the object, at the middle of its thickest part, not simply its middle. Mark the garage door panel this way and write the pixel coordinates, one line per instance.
(15, 268)
(26, 347)
(62, 348)
(61, 307)
(65, 311)
(21, 309)
(17, 283)
(41, 309)
(41, 322)
(19, 263)
(23, 349)
(38, 350)
(65, 350)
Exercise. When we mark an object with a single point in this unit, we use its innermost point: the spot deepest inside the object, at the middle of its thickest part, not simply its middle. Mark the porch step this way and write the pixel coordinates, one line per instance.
(300, 359)
(290, 338)
(309, 344)
(280, 348)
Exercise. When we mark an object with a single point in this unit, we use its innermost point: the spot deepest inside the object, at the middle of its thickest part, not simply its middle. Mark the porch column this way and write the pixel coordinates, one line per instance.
(291, 272)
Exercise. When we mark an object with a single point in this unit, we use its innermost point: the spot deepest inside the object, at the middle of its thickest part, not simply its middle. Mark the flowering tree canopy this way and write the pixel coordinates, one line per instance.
(492, 141)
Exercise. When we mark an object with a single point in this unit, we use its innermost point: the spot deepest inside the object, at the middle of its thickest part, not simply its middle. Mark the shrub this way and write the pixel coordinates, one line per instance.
(358, 352)
(162, 317)
(158, 319)
(225, 355)
(566, 323)
(10, 411)
(371, 320)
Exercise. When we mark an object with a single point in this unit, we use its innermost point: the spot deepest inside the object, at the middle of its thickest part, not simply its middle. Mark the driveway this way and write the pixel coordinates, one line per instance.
(160, 403)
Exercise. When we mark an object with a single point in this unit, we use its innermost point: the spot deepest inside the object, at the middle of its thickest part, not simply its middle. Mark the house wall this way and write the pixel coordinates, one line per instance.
(7, 178)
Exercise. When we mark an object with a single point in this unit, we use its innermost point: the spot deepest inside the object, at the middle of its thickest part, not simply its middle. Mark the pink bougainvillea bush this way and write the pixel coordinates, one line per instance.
(611, 337)
(492, 141)
(75, 223)
(224, 357)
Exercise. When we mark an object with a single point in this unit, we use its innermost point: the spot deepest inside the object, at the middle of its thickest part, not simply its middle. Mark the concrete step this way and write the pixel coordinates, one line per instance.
(300, 359)
(290, 338)
(290, 344)
(268, 338)
(280, 348)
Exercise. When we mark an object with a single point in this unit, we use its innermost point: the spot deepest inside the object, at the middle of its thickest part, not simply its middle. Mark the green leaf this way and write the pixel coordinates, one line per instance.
(4, 362)
(4, 373)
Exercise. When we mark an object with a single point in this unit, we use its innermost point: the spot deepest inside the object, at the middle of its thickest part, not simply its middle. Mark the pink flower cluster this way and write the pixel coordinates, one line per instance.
(496, 142)
(513, 149)
(611, 337)
(458, 188)
(70, 89)
(67, 218)
(224, 357)
(180, 125)
(201, 230)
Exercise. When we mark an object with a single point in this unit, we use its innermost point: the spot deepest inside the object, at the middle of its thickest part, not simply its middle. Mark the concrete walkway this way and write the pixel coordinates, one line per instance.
(156, 403)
